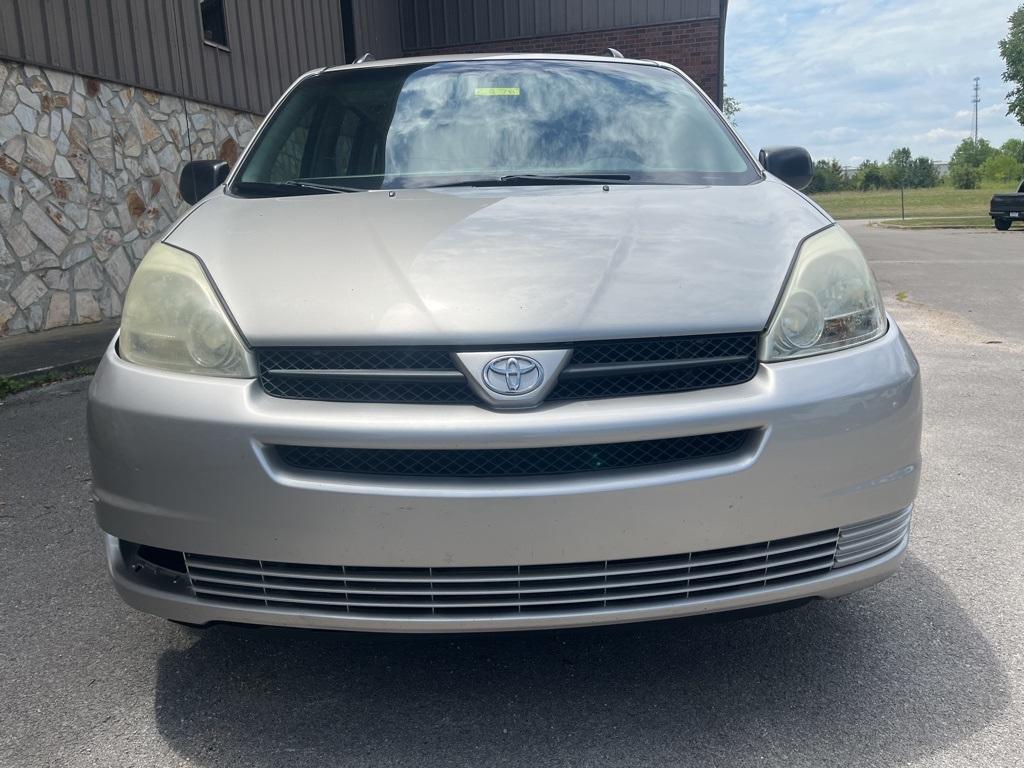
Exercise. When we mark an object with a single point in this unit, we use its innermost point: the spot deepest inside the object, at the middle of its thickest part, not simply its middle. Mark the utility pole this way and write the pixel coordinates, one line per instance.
(976, 101)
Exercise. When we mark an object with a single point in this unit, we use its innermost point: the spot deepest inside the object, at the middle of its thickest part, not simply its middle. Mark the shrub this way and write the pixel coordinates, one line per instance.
(922, 173)
(964, 176)
(870, 176)
(828, 177)
(1002, 167)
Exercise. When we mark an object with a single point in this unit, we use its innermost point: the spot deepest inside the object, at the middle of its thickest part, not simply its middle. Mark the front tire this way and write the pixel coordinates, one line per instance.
(1003, 224)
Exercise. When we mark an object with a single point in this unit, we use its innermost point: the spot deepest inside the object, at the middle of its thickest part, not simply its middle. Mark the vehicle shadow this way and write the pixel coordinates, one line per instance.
(883, 677)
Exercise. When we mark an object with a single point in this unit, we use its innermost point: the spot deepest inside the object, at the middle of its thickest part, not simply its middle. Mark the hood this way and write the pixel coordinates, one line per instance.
(500, 267)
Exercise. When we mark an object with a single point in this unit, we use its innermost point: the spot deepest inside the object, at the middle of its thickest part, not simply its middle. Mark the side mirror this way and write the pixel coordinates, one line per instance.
(791, 164)
(200, 177)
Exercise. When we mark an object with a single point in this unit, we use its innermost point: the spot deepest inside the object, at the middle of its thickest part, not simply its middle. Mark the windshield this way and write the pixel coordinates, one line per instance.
(463, 122)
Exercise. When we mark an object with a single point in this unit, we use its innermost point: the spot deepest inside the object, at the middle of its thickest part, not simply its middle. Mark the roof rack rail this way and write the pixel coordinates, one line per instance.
(615, 54)
(365, 58)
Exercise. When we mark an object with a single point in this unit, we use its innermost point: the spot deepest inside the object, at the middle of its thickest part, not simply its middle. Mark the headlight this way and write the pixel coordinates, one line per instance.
(173, 320)
(831, 301)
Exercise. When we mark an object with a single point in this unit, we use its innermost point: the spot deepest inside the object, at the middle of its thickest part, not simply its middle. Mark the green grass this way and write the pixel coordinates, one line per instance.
(12, 386)
(941, 201)
(956, 222)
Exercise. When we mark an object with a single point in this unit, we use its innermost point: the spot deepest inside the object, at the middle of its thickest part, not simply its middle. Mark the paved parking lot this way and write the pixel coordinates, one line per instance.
(925, 669)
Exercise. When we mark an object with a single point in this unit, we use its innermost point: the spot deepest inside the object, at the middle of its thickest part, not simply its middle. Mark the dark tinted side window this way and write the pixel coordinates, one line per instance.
(214, 27)
(325, 132)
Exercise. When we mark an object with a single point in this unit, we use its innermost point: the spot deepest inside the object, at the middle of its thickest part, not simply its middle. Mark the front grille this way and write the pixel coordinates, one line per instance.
(363, 375)
(512, 462)
(657, 366)
(429, 374)
(528, 589)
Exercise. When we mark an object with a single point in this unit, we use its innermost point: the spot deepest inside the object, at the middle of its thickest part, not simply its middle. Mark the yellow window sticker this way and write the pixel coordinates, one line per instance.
(497, 91)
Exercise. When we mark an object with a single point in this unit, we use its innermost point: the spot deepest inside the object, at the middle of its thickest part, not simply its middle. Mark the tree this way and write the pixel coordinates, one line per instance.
(1012, 50)
(922, 173)
(870, 175)
(966, 161)
(730, 107)
(829, 176)
(1002, 167)
(1015, 149)
(963, 176)
(972, 153)
(898, 167)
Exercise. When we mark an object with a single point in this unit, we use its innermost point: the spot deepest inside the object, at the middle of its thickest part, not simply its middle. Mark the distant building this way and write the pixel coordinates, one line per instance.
(102, 102)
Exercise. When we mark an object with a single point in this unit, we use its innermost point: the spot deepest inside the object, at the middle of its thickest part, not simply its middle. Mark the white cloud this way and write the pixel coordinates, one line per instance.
(992, 110)
(766, 110)
(941, 134)
(837, 135)
(855, 78)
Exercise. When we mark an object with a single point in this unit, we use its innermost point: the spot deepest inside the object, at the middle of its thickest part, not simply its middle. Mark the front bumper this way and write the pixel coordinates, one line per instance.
(180, 463)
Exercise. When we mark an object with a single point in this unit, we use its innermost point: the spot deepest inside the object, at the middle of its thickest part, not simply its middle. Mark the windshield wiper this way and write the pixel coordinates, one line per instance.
(288, 188)
(303, 184)
(530, 179)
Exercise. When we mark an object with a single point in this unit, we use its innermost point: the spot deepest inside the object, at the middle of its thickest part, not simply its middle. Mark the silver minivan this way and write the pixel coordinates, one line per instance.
(501, 342)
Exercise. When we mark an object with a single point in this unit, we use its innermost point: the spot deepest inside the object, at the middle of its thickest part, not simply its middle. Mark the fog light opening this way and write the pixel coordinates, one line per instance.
(160, 560)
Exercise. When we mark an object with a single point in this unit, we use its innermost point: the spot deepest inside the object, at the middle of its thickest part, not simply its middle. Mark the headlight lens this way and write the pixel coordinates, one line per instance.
(831, 301)
(173, 320)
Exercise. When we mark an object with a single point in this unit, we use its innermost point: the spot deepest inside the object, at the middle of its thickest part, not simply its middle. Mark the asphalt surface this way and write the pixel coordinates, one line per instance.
(925, 669)
(56, 350)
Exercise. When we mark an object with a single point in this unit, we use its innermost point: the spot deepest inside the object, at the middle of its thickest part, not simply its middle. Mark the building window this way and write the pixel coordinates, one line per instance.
(215, 31)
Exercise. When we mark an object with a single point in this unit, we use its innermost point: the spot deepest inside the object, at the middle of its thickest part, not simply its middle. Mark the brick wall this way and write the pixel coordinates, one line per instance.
(690, 45)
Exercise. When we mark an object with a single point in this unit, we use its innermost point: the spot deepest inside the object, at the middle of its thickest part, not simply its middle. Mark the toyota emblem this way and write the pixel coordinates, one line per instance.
(513, 375)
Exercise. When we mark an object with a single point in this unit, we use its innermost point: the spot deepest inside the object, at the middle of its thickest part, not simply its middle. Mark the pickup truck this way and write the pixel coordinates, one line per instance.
(1005, 209)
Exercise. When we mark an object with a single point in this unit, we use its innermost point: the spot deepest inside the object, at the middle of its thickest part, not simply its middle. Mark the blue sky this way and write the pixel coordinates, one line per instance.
(852, 79)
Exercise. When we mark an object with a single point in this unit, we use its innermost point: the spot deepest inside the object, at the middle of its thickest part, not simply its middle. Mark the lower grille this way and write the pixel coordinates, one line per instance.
(858, 543)
(534, 589)
(512, 462)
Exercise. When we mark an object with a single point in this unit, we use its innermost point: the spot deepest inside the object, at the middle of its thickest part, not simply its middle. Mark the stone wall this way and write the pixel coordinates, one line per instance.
(88, 181)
